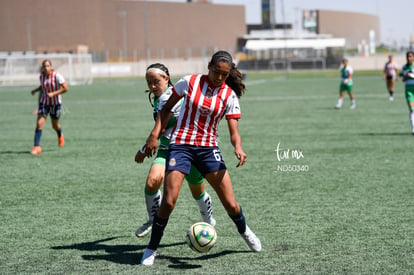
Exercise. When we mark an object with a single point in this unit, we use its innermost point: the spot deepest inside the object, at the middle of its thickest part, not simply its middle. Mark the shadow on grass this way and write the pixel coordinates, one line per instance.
(387, 134)
(26, 152)
(14, 152)
(183, 262)
(125, 254)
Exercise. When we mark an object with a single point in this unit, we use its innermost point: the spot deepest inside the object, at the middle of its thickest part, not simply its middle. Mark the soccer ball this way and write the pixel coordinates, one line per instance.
(201, 237)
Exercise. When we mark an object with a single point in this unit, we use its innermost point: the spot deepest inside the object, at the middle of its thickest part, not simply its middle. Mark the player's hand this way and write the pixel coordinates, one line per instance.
(50, 95)
(151, 146)
(241, 156)
(140, 155)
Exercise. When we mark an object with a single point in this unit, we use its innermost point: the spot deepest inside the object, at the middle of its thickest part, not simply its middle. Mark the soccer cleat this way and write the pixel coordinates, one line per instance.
(338, 106)
(353, 106)
(212, 221)
(144, 229)
(61, 141)
(36, 150)
(391, 98)
(148, 257)
(252, 240)
(209, 219)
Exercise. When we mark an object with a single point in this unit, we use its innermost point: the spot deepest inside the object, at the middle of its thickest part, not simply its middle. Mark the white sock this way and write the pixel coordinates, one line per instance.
(205, 205)
(412, 121)
(340, 101)
(353, 101)
(153, 203)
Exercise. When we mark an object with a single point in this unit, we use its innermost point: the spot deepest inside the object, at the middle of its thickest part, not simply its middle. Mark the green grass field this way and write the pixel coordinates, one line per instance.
(340, 200)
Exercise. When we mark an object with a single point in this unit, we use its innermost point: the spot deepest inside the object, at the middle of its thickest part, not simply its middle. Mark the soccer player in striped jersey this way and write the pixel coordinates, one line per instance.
(52, 86)
(390, 75)
(160, 85)
(207, 100)
(408, 78)
(346, 85)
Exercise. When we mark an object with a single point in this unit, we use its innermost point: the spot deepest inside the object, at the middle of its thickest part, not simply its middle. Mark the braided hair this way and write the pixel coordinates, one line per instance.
(235, 78)
(163, 68)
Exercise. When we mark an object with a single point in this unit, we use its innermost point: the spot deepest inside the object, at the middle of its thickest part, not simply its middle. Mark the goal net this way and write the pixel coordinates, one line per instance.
(24, 69)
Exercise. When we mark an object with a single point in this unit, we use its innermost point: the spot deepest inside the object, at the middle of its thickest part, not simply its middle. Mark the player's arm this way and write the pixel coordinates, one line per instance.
(348, 78)
(141, 154)
(160, 124)
(235, 140)
(410, 74)
(38, 89)
(63, 89)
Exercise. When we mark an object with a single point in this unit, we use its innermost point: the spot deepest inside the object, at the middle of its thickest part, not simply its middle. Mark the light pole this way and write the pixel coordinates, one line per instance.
(146, 33)
(29, 35)
(124, 15)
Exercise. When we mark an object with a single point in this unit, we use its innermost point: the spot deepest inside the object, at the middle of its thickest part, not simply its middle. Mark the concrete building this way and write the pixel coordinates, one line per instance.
(123, 30)
(353, 26)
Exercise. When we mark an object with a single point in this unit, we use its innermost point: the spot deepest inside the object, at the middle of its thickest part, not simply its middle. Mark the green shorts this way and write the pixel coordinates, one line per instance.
(194, 177)
(409, 94)
(345, 87)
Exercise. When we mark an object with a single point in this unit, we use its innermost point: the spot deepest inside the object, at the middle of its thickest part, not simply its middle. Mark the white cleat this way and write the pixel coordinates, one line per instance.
(208, 218)
(211, 221)
(252, 240)
(144, 229)
(353, 106)
(148, 257)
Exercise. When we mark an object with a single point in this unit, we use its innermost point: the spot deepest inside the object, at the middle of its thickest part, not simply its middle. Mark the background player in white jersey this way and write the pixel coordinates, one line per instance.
(52, 86)
(390, 75)
(160, 85)
(346, 85)
(207, 99)
(407, 73)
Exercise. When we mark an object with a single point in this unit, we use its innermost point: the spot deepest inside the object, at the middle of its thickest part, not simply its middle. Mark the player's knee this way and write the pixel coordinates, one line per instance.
(196, 189)
(168, 204)
(154, 183)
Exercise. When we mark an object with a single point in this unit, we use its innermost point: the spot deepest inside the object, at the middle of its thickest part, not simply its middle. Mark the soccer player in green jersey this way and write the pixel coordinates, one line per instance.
(159, 84)
(346, 85)
(408, 78)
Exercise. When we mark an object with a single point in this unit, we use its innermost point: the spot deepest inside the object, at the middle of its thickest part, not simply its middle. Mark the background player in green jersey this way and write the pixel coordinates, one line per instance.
(346, 85)
(159, 84)
(408, 78)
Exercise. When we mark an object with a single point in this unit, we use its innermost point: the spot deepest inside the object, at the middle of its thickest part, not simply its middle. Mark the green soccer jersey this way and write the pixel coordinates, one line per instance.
(406, 69)
(409, 83)
(346, 73)
(158, 105)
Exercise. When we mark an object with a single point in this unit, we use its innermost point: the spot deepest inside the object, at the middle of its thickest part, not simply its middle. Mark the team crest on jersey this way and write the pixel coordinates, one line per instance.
(204, 111)
(172, 162)
(209, 94)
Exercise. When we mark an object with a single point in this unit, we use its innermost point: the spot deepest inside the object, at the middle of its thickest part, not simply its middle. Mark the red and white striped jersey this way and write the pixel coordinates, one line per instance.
(50, 84)
(203, 107)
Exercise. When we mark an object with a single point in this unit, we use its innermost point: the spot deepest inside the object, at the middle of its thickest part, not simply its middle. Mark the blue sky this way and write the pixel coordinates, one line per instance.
(396, 16)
